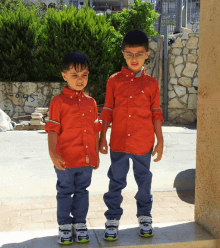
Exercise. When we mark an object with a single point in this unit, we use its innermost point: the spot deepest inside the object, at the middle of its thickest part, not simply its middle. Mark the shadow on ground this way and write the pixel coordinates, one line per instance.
(185, 185)
(167, 234)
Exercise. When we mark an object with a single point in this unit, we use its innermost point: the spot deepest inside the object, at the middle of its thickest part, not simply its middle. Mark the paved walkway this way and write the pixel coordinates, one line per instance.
(40, 214)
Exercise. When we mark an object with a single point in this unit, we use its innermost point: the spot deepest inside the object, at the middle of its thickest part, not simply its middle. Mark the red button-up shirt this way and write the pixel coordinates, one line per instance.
(73, 116)
(132, 103)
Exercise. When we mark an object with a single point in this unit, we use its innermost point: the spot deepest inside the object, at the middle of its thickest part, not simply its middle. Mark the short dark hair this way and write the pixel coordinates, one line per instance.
(135, 38)
(75, 59)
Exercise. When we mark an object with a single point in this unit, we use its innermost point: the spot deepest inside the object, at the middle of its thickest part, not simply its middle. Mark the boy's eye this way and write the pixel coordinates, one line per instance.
(74, 75)
(85, 75)
(139, 54)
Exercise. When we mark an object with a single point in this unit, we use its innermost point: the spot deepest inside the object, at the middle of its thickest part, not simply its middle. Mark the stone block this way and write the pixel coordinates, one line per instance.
(176, 51)
(192, 58)
(153, 45)
(186, 30)
(190, 69)
(194, 51)
(2, 86)
(188, 116)
(184, 99)
(185, 81)
(195, 82)
(185, 36)
(172, 115)
(192, 102)
(56, 85)
(177, 43)
(185, 50)
(184, 43)
(171, 58)
(29, 88)
(172, 71)
(56, 92)
(192, 90)
(179, 69)
(7, 106)
(173, 81)
(171, 94)
(170, 87)
(178, 60)
(47, 90)
(180, 90)
(175, 104)
(192, 43)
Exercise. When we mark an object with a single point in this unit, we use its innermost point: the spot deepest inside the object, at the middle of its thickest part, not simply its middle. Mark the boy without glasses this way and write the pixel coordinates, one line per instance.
(73, 140)
(132, 104)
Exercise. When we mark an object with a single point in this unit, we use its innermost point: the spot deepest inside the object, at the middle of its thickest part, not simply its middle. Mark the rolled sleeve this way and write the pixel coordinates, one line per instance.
(155, 104)
(54, 122)
(106, 114)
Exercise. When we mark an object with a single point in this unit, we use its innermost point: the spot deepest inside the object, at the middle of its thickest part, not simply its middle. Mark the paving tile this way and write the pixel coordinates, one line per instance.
(20, 220)
(30, 212)
(91, 215)
(185, 210)
(163, 218)
(163, 211)
(127, 221)
(10, 227)
(4, 219)
(32, 226)
(4, 208)
(51, 225)
(97, 222)
(167, 204)
(40, 205)
(42, 218)
(9, 214)
(53, 204)
(49, 210)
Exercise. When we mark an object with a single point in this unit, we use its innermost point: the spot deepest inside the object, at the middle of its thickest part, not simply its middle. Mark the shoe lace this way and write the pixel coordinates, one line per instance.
(66, 228)
(80, 227)
(111, 223)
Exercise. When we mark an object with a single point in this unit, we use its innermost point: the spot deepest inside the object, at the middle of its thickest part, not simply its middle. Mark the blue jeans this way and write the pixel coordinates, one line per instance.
(117, 174)
(73, 181)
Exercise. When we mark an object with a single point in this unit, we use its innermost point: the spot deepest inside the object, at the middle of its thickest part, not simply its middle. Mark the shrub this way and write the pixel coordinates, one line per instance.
(18, 35)
(82, 31)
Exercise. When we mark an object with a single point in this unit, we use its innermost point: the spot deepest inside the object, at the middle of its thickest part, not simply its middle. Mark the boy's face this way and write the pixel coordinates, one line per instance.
(76, 78)
(135, 57)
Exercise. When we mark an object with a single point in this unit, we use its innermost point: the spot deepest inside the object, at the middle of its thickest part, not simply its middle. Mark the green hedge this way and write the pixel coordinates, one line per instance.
(18, 44)
(33, 42)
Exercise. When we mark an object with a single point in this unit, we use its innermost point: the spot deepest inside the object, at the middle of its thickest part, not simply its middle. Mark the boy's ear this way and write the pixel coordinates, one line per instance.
(63, 75)
(147, 54)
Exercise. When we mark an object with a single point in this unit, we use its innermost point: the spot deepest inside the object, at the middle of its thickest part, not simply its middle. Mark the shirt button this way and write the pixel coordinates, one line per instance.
(71, 97)
(82, 114)
(126, 75)
(86, 146)
(132, 79)
(131, 73)
(129, 134)
(84, 130)
(142, 91)
(129, 115)
(79, 100)
(77, 93)
(90, 110)
(130, 96)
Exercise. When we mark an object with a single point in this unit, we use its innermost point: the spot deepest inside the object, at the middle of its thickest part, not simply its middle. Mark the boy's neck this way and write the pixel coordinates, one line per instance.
(74, 90)
(134, 71)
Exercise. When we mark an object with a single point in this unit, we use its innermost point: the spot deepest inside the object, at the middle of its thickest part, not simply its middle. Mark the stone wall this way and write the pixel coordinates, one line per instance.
(22, 98)
(183, 78)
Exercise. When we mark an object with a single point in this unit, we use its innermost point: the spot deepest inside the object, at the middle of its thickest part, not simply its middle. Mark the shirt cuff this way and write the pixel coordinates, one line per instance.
(106, 115)
(52, 126)
(97, 127)
(157, 115)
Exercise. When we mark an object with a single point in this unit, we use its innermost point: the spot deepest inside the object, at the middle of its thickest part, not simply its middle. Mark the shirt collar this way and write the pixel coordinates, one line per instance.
(128, 73)
(72, 93)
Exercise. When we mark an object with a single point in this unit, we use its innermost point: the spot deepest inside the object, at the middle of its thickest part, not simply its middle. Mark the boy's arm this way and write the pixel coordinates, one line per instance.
(52, 142)
(103, 146)
(106, 115)
(97, 151)
(159, 147)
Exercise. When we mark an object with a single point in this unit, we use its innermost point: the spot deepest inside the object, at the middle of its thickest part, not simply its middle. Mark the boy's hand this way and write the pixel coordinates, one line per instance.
(95, 167)
(57, 161)
(103, 146)
(159, 150)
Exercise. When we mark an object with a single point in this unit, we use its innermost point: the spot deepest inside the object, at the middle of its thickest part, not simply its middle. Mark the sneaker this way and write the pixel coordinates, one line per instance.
(80, 232)
(111, 230)
(65, 236)
(145, 226)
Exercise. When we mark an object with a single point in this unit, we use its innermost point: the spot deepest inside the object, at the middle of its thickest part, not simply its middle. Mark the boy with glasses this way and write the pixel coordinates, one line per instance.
(73, 140)
(132, 104)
